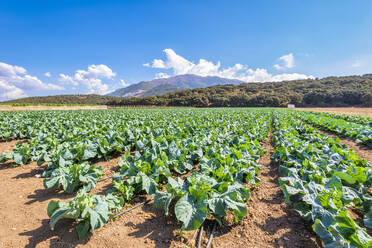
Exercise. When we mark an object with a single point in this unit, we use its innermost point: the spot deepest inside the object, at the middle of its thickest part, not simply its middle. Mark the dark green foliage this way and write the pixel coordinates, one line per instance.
(326, 92)
(331, 91)
(63, 100)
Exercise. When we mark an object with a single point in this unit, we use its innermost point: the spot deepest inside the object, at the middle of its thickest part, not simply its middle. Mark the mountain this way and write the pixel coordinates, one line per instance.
(346, 91)
(326, 92)
(165, 85)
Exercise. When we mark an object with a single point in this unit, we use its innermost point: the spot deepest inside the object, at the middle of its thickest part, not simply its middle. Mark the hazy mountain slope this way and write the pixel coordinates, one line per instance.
(165, 85)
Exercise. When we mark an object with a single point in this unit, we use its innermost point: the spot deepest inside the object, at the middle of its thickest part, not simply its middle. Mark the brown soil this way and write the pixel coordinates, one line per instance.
(28, 108)
(361, 150)
(24, 222)
(358, 111)
(23, 201)
(357, 215)
(270, 222)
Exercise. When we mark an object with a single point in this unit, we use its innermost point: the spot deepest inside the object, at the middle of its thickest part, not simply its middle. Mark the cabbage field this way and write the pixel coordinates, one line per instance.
(198, 165)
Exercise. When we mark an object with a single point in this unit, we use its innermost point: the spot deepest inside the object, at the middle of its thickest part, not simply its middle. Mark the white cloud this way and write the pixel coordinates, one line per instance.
(180, 65)
(91, 78)
(158, 63)
(8, 91)
(287, 61)
(15, 80)
(11, 71)
(123, 83)
(96, 71)
(278, 67)
(161, 75)
(47, 74)
(65, 79)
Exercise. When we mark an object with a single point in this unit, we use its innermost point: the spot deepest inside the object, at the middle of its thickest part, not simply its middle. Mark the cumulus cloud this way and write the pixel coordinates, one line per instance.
(14, 81)
(123, 83)
(8, 91)
(180, 66)
(47, 74)
(161, 75)
(65, 79)
(287, 62)
(91, 78)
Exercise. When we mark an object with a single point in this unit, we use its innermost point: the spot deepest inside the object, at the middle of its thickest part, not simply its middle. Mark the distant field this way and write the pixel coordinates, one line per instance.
(359, 111)
(43, 107)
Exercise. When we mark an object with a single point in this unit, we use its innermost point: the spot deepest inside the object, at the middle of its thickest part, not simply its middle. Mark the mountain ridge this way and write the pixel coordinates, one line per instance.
(343, 91)
(163, 86)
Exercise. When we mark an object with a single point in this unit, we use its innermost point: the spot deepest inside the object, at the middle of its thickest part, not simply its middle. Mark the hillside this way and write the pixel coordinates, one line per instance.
(327, 92)
(165, 85)
(65, 99)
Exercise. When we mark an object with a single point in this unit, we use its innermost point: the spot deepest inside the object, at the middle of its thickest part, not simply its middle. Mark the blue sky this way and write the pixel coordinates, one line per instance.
(99, 46)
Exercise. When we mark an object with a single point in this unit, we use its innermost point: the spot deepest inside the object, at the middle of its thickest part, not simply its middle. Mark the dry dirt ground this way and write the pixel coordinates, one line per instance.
(358, 111)
(22, 108)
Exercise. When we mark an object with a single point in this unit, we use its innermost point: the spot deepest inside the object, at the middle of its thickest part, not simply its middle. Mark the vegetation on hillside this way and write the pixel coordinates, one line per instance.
(331, 91)
(327, 92)
(63, 100)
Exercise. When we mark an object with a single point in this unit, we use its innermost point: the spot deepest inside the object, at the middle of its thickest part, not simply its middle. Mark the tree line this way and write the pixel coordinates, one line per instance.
(327, 92)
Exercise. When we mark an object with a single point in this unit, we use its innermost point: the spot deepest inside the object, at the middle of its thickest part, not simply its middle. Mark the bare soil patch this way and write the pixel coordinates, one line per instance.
(8, 146)
(355, 111)
(23, 202)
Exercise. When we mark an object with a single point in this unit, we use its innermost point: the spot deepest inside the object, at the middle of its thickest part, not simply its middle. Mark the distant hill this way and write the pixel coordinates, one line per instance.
(65, 99)
(326, 92)
(165, 85)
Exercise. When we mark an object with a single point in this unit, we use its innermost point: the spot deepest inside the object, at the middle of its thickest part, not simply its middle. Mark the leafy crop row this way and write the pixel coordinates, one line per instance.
(358, 132)
(221, 155)
(322, 179)
(350, 118)
(197, 164)
(71, 138)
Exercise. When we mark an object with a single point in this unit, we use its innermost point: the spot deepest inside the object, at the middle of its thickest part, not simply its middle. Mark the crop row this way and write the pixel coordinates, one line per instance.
(350, 118)
(68, 140)
(358, 132)
(222, 160)
(322, 179)
(197, 164)
(205, 160)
